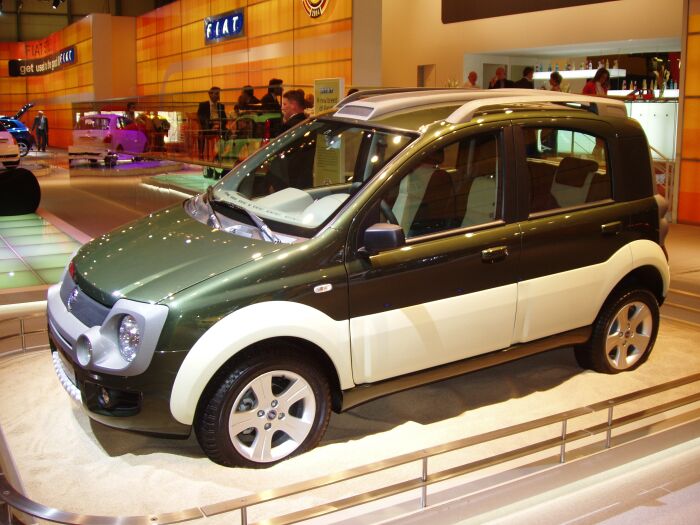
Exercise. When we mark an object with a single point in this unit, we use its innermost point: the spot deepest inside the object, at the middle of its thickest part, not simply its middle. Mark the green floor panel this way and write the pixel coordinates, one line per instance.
(43, 262)
(12, 218)
(18, 280)
(191, 182)
(27, 240)
(51, 275)
(48, 249)
(6, 253)
(25, 223)
(12, 265)
(8, 232)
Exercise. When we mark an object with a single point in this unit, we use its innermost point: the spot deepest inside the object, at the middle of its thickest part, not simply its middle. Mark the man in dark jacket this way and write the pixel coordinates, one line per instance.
(274, 90)
(41, 126)
(499, 80)
(212, 118)
(526, 82)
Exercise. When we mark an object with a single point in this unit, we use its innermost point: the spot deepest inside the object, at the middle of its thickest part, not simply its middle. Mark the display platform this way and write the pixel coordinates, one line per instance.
(68, 462)
(124, 168)
(190, 182)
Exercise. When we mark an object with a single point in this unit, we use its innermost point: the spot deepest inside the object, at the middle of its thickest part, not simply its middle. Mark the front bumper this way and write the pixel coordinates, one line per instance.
(139, 402)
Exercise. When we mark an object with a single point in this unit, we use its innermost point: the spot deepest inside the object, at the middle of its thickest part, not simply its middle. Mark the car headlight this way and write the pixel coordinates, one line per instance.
(129, 337)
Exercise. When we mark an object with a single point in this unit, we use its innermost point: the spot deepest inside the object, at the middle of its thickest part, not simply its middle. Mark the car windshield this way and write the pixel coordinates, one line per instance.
(93, 123)
(299, 180)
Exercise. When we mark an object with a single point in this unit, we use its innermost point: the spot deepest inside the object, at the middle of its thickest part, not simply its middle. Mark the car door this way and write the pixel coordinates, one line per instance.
(571, 224)
(450, 292)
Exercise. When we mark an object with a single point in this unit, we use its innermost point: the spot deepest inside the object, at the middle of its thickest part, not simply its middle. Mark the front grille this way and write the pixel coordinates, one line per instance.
(83, 307)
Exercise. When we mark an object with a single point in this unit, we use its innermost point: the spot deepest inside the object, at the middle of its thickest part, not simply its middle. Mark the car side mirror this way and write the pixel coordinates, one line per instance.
(382, 236)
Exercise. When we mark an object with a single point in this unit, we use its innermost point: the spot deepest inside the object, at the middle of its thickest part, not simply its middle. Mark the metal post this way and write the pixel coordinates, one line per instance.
(424, 488)
(562, 453)
(244, 515)
(21, 334)
(608, 434)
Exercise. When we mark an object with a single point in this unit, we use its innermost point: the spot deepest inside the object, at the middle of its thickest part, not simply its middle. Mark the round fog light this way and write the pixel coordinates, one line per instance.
(83, 350)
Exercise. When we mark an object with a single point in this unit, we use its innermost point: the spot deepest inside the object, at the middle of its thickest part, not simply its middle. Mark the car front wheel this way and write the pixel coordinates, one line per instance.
(623, 334)
(264, 409)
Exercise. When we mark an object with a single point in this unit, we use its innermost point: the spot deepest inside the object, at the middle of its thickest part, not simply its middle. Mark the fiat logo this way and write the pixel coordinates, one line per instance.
(71, 299)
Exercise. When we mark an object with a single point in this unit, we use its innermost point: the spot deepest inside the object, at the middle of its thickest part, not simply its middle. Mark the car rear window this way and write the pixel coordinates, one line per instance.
(93, 123)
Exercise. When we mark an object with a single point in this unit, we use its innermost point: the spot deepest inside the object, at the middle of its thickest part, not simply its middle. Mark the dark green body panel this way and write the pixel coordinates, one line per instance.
(159, 255)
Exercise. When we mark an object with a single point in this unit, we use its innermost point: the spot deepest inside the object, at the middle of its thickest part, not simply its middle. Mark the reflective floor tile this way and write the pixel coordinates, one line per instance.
(11, 265)
(51, 275)
(44, 229)
(27, 240)
(42, 262)
(18, 280)
(47, 249)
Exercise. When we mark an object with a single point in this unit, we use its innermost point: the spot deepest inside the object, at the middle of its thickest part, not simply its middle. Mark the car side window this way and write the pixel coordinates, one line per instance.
(566, 168)
(454, 186)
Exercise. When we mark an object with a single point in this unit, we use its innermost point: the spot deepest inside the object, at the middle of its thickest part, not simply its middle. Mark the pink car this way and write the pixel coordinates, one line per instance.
(104, 137)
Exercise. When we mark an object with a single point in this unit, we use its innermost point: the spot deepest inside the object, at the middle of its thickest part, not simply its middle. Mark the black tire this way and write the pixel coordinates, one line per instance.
(624, 333)
(266, 441)
(24, 148)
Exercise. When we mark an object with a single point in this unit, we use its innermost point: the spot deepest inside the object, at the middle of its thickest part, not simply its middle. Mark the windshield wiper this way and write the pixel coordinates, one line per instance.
(259, 223)
(209, 198)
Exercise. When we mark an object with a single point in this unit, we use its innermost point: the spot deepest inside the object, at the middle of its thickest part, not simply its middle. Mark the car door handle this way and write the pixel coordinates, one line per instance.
(611, 228)
(492, 255)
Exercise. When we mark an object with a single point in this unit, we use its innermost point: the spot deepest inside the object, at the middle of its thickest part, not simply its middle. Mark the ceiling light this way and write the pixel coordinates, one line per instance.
(56, 3)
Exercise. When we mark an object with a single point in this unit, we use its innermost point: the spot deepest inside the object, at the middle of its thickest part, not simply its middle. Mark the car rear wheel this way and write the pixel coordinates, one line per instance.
(623, 334)
(23, 148)
(264, 409)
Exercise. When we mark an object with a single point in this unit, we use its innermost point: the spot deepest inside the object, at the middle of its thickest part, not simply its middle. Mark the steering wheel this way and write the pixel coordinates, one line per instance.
(388, 212)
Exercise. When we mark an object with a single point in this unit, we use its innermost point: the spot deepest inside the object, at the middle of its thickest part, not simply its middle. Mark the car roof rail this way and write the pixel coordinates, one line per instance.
(598, 105)
(365, 105)
(366, 93)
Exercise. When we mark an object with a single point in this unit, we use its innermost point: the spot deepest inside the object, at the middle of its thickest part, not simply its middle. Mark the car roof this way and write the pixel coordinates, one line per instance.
(466, 103)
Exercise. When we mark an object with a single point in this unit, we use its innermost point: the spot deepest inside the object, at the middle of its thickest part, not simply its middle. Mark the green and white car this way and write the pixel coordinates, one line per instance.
(403, 238)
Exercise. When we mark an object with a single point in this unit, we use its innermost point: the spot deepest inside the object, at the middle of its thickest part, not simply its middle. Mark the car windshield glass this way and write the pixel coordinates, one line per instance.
(299, 180)
(93, 123)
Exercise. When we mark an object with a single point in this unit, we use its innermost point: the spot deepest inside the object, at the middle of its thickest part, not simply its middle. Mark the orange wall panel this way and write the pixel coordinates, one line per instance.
(169, 42)
(146, 48)
(272, 17)
(338, 10)
(192, 10)
(193, 36)
(168, 17)
(196, 63)
(692, 63)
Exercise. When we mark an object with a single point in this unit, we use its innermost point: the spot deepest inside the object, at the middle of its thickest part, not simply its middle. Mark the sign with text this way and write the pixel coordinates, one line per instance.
(222, 27)
(461, 11)
(327, 93)
(42, 66)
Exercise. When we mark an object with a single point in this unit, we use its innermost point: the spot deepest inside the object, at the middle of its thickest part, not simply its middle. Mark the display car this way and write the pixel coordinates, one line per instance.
(9, 151)
(23, 137)
(402, 238)
(103, 137)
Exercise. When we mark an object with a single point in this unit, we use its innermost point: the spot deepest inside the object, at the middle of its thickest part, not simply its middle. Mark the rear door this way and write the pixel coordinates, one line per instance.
(571, 224)
(450, 292)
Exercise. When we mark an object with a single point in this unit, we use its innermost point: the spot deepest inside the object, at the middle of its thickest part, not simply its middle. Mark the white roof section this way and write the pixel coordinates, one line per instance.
(471, 100)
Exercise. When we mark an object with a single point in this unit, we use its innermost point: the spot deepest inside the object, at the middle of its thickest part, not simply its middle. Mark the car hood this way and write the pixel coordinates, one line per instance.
(23, 110)
(160, 255)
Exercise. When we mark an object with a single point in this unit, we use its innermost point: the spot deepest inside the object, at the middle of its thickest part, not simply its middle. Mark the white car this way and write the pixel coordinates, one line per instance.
(9, 150)
(102, 137)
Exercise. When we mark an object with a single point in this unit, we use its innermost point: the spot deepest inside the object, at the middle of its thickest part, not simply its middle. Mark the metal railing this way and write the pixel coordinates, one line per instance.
(22, 332)
(16, 500)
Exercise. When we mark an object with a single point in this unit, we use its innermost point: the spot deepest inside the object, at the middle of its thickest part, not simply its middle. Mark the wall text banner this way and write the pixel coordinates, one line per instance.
(42, 66)
(222, 27)
(461, 11)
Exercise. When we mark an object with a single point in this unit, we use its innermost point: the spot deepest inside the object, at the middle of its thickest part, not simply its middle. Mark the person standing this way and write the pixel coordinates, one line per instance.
(41, 126)
(526, 82)
(599, 84)
(555, 81)
(293, 106)
(212, 118)
(274, 90)
(471, 81)
(499, 80)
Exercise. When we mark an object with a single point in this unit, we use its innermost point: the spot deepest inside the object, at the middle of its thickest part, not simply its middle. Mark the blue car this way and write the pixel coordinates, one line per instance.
(19, 130)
